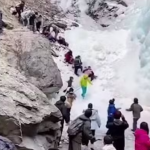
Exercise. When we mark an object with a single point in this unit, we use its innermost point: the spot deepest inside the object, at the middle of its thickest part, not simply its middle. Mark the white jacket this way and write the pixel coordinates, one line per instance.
(26, 14)
(108, 147)
(95, 120)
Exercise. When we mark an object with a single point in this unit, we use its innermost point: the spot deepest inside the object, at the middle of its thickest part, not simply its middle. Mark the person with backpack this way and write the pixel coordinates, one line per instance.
(77, 65)
(79, 131)
(108, 143)
(136, 109)
(64, 111)
(142, 140)
(84, 83)
(117, 130)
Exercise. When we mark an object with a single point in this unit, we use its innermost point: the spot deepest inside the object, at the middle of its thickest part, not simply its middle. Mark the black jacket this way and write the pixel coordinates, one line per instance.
(63, 109)
(117, 129)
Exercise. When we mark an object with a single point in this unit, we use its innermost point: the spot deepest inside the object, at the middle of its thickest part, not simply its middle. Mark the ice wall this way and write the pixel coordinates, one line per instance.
(141, 32)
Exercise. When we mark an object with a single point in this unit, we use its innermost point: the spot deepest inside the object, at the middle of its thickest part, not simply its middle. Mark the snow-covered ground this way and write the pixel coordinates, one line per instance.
(115, 60)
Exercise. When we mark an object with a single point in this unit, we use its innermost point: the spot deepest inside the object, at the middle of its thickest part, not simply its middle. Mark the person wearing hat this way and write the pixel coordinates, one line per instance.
(77, 65)
(84, 83)
(136, 109)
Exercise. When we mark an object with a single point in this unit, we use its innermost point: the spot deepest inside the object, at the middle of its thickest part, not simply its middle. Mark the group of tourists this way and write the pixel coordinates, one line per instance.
(82, 130)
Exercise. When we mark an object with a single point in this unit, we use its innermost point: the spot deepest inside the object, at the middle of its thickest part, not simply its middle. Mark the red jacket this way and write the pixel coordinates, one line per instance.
(142, 140)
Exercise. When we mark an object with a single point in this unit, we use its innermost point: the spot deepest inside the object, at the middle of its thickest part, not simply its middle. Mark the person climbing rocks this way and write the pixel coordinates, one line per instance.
(55, 29)
(88, 70)
(25, 16)
(77, 65)
(136, 109)
(69, 83)
(20, 9)
(79, 131)
(71, 96)
(32, 21)
(108, 143)
(117, 130)
(142, 140)
(69, 57)
(95, 121)
(1, 22)
(64, 111)
(62, 41)
(38, 22)
(84, 83)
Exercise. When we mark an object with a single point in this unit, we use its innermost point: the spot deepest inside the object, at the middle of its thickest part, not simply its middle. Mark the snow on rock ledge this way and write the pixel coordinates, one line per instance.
(31, 53)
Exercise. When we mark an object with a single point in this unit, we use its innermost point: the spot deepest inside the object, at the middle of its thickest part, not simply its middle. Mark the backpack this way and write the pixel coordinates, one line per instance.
(77, 62)
(75, 127)
(6, 144)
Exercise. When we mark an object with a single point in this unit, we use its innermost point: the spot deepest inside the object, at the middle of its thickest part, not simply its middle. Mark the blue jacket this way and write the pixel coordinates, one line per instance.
(111, 110)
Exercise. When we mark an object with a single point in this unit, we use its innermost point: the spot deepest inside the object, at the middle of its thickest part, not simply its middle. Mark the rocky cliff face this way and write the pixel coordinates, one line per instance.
(27, 73)
(104, 12)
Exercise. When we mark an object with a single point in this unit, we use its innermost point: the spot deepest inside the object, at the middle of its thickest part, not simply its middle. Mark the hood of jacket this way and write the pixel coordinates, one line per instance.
(118, 122)
(108, 147)
(84, 118)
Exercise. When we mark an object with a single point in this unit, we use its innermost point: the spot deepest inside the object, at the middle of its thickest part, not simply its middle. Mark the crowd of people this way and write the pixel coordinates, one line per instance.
(81, 131)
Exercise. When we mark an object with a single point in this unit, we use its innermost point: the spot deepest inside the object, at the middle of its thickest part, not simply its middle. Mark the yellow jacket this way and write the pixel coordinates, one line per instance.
(85, 80)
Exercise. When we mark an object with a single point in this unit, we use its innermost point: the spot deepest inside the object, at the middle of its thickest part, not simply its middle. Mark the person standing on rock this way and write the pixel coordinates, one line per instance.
(38, 22)
(32, 21)
(20, 9)
(1, 22)
(136, 110)
(64, 111)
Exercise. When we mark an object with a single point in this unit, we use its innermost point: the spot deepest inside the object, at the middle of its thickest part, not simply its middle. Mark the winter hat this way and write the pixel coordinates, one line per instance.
(63, 98)
(144, 126)
(108, 139)
(117, 115)
(90, 105)
(88, 113)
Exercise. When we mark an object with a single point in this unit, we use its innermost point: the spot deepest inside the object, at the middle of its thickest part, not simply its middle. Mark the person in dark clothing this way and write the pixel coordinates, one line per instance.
(77, 65)
(84, 134)
(117, 130)
(136, 110)
(62, 41)
(1, 22)
(69, 57)
(32, 21)
(64, 111)
(20, 9)
(70, 81)
(38, 22)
